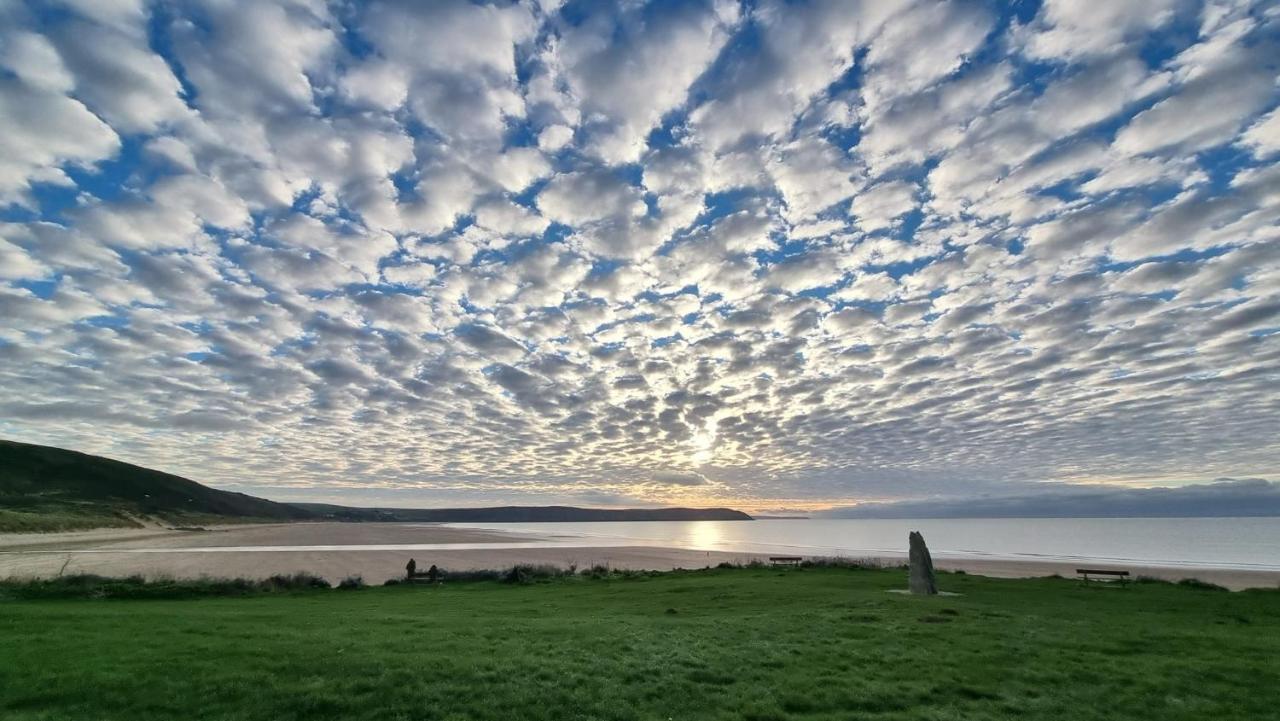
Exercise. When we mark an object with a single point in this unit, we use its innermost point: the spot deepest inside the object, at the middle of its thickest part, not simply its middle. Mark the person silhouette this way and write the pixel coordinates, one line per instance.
(410, 567)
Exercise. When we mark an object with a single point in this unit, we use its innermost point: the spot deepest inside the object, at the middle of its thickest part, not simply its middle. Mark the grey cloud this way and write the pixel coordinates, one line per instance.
(1249, 316)
(680, 478)
(489, 340)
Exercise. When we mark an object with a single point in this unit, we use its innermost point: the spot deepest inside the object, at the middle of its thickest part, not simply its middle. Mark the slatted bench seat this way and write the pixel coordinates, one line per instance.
(1101, 574)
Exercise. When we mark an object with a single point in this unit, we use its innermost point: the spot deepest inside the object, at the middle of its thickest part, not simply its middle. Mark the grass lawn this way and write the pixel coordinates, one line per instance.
(720, 644)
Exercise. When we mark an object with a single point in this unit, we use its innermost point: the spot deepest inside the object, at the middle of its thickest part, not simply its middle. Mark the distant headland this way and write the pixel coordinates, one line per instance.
(43, 488)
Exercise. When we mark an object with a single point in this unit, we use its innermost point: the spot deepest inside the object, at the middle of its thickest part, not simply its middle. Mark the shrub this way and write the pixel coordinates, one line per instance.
(841, 562)
(1200, 585)
(293, 582)
(475, 575)
(598, 570)
(528, 573)
(86, 585)
(351, 583)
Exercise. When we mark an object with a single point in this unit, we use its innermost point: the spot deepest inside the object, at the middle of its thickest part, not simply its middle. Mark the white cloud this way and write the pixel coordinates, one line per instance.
(588, 196)
(1199, 116)
(459, 59)
(16, 264)
(627, 81)
(812, 175)
(43, 131)
(877, 207)
(923, 44)
(506, 218)
(804, 48)
(35, 61)
(1263, 137)
(379, 83)
(1070, 30)
(119, 77)
(555, 137)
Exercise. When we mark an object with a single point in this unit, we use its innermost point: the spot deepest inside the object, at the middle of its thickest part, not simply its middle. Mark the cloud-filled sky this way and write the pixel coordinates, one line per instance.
(771, 255)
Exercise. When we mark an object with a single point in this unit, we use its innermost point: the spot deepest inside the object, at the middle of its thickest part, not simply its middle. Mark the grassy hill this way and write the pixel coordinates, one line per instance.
(49, 489)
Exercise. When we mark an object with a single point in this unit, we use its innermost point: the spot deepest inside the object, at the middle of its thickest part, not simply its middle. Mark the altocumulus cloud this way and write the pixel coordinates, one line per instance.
(820, 252)
(680, 478)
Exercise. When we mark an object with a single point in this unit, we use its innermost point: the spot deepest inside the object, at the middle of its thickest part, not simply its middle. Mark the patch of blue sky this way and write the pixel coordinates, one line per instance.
(529, 196)
(349, 32)
(873, 306)
(1067, 191)
(898, 269)
(788, 249)
(665, 340)
(823, 291)
(302, 202)
(738, 59)
(667, 134)
(1184, 255)
(107, 180)
(43, 288)
(1176, 35)
(908, 224)
(199, 327)
(720, 204)
(520, 133)
(160, 40)
(1223, 163)
(109, 320)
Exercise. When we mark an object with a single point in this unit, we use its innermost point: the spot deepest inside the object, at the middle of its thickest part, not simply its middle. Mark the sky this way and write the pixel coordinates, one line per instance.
(771, 255)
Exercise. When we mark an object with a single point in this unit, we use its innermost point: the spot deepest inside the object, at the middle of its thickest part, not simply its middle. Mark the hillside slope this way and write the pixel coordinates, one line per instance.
(51, 489)
(46, 488)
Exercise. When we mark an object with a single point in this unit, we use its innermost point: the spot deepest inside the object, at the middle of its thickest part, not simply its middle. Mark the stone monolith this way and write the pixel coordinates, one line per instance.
(921, 579)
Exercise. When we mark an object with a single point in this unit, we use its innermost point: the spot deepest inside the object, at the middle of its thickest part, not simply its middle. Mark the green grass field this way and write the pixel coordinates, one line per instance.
(720, 644)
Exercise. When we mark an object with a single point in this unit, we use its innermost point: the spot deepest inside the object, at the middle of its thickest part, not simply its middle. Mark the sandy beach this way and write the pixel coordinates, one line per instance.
(378, 552)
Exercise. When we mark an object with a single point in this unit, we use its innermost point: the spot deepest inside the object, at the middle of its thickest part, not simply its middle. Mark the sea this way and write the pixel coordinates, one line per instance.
(1236, 543)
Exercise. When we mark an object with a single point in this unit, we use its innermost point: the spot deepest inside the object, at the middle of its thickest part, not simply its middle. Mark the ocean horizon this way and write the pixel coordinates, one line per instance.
(1246, 543)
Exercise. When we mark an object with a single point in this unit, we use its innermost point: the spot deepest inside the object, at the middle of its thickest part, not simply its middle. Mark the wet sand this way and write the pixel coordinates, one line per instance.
(289, 548)
(152, 553)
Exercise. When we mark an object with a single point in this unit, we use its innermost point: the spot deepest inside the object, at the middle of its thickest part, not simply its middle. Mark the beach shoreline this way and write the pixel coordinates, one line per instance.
(378, 552)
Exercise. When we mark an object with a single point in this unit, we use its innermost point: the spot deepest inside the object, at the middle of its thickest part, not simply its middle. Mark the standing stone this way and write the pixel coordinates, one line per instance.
(921, 580)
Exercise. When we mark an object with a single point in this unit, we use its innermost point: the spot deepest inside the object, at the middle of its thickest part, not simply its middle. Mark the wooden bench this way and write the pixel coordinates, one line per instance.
(426, 577)
(413, 575)
(1102, 574)
(785, 560)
